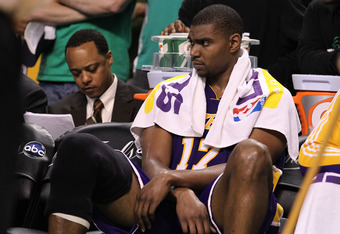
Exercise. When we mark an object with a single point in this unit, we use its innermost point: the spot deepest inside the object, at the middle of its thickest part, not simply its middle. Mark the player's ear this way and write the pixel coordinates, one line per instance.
(235, 42)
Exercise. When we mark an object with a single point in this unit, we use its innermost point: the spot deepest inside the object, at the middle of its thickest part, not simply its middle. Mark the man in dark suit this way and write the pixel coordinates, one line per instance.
(89, 60)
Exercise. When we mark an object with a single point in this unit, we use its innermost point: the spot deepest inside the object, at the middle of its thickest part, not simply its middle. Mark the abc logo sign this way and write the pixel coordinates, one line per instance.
(34, 149)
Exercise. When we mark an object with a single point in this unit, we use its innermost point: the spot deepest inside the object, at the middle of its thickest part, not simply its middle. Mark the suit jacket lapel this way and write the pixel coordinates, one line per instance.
(78, 109)
(123, 103)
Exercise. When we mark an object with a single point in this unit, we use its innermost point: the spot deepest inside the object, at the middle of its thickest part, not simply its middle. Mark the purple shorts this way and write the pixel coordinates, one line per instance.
(166, 218)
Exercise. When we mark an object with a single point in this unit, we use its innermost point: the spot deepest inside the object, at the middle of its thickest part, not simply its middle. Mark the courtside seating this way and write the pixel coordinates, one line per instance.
(117, 135)
(311, 105)
(289, 185)
(113, 133)
(35, 152)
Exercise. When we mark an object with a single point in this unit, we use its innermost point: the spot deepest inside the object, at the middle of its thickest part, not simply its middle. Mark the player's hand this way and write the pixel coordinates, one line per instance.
(191, 212)
(148, 199)
(175, 27)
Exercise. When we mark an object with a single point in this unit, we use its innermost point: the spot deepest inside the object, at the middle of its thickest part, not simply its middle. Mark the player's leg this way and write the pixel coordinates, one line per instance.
(59, 224)
(121, 210)
(241, 196)
(88, 172)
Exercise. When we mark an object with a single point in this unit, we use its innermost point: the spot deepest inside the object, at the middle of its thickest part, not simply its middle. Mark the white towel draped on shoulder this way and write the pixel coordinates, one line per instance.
(38, 38)
(252, 99)
(34, 32)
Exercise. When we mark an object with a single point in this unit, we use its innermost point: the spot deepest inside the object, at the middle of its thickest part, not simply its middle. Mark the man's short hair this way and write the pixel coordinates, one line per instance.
(87, 35)
(225, 19)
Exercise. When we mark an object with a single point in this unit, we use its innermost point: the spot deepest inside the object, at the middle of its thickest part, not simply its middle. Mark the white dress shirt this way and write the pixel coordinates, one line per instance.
(107, 98)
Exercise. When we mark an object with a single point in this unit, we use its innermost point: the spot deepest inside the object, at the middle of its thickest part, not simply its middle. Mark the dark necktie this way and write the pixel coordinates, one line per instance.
(97, 113)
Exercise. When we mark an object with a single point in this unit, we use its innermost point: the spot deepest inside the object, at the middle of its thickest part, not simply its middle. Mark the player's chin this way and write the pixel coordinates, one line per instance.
(201, 72)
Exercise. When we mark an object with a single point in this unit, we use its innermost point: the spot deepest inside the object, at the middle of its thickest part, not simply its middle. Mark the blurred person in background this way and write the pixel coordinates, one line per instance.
(10, 117)
(319, 42)
(158, 14)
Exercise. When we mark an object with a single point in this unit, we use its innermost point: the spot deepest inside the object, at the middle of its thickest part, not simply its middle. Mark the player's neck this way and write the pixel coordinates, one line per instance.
(218, 88)
(219, 83)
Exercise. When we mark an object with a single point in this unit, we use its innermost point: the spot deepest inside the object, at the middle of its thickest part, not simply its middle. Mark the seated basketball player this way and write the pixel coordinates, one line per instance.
(211, 141)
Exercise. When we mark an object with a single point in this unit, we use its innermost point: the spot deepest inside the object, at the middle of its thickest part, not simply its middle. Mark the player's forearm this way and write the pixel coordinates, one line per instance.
(194, 179)
(157, 155)
(97, 7)
(55, 13)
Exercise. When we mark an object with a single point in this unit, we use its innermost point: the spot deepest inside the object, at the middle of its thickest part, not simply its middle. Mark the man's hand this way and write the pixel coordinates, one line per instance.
(175, 27)
(148, 200)
(191, 212)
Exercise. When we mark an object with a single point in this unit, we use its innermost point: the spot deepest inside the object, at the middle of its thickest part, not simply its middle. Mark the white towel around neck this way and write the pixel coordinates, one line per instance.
(252, 99)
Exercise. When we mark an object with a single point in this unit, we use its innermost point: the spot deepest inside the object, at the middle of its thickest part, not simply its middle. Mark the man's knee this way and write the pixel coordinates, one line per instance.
(75, 160)
(253, 158)
(78, 146)
(78, 141)
(73, 140)
(87, 170)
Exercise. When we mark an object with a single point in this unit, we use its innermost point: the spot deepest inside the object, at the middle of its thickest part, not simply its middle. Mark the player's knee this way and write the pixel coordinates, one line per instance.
(253, 158)
(76, 140)
(76, 145)
(76, 153)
